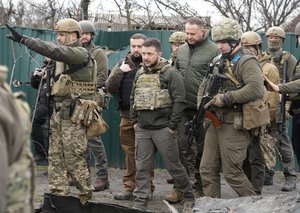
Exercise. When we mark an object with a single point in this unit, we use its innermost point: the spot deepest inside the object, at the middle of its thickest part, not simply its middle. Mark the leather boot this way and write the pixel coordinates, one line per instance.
(174, 197)
(124, 196)
(140, 204)
(101, 184)
(268, 181)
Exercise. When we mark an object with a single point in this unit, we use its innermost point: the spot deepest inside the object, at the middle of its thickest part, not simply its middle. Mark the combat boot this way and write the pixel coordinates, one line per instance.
(174, 197)
(268, 181)
(289, 184)
(124, 196)
(101, 184)
(198, 194)
(188, 206)
(140, 204)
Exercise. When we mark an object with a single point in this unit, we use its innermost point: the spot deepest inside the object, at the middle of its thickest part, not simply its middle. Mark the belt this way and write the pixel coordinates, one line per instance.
(226, 117)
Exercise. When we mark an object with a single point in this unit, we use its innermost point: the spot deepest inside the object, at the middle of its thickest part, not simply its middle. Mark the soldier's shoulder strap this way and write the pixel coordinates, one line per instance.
(285, 56)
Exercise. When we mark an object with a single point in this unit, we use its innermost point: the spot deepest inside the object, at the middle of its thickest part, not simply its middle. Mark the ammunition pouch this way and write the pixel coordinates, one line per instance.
(62, 86)
(83, 112)
(255, 114)
(65, 86)
(97, 126)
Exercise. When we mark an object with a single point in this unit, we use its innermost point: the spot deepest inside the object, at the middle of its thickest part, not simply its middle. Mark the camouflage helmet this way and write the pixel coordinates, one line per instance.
(68, 25)
(178, 37)
(87, 27)
(275, 31)
(297, 29)
(250, 38)
(226, 29)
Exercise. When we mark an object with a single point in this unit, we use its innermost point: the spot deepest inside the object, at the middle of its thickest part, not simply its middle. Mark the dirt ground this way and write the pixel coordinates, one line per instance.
(162, 188)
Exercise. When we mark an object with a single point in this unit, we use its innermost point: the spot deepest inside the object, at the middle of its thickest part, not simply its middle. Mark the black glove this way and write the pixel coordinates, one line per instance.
(15, 36)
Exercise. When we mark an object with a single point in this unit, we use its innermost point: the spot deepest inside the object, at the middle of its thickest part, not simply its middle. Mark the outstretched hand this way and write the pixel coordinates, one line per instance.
(270, 85)
(15, 36)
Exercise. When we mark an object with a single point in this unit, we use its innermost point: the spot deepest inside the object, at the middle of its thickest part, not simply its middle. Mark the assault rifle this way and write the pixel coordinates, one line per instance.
(281, 118)
(216, 81)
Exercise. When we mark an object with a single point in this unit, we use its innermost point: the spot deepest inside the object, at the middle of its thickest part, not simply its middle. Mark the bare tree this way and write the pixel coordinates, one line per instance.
(85, 9)
(256, 14)
(6, 12)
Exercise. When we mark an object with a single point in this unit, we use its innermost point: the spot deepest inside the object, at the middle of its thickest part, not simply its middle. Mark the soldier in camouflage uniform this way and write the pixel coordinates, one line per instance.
(95, 144)
(255, 164)
(157, 101)
(17, 166)
(176, 40)
(72, 82)
(275, 55)
(225, 148)
(295, 106)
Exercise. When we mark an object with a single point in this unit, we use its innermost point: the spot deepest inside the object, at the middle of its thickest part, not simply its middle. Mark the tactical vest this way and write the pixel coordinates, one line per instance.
(148, 94)
(65, 80)
(125, 89)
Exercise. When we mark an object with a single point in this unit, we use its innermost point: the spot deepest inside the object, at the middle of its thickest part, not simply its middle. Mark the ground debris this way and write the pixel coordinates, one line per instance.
(282, 203)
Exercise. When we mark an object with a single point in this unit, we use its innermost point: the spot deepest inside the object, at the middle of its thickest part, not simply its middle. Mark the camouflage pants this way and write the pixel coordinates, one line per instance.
(96, 150)
(67, 156)
(284, 146)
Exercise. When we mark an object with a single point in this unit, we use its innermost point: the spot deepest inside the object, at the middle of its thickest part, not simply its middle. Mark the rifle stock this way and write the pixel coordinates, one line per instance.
(216, 82)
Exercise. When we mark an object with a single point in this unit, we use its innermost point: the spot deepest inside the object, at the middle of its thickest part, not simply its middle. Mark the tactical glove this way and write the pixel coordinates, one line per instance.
(15, 36)
(217, 100)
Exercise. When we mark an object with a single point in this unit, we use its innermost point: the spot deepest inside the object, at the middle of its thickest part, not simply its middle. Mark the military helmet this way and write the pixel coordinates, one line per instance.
(178, 37)
(226, 29)
(250, 38)
(68, 25)
(297, 29)
(275, 31)
(87, 27)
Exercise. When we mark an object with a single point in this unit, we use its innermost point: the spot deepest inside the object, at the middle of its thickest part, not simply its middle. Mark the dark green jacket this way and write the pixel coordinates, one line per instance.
(248, 72)
(102, 63)
(166, 117)
(291, 87)
(192, 63)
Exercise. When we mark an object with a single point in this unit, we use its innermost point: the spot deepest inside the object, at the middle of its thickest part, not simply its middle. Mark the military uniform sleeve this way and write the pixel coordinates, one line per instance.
(252, 76)
(292, 62)
(66, 54)
(102, 66)
(3, 158)
(291, 87)
(177, 92)
(112, 84)
(11, 134)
